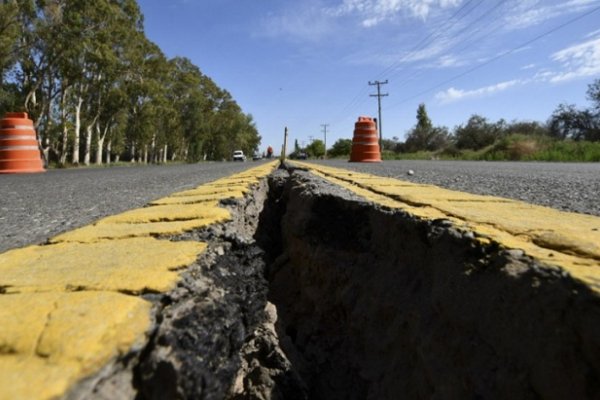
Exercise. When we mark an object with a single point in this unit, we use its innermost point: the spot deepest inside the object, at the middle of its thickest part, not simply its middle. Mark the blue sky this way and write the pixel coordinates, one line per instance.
(305, 63)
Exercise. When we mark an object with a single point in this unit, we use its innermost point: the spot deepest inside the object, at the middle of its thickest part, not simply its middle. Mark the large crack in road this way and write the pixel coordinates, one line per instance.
(310, 292)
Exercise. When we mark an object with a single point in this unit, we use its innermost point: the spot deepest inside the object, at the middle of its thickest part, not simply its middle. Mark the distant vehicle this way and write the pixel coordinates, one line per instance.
(302, 156)
(238, 155)
(256, 157)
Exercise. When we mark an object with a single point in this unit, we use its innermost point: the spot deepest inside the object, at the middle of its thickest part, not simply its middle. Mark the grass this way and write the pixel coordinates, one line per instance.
(514, 147)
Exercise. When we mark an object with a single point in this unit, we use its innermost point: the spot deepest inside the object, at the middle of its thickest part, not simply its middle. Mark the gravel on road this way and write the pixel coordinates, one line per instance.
(35, 207)
(38, 206)
(573, 187)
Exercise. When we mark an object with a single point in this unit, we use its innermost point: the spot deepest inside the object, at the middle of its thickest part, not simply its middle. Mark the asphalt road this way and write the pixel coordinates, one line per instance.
(38, 206)
(35, 207)
(571, 187)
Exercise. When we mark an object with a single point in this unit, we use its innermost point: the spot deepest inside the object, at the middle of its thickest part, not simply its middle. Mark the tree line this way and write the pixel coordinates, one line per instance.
(98, 90)
(566, 124)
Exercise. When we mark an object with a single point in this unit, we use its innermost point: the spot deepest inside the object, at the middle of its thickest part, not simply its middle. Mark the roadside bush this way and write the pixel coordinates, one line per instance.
(514, 147)
(570, 151)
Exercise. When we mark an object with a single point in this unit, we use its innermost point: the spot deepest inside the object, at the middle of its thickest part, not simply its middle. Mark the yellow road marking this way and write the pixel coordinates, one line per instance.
(101, 230)
(128, 265)
(212, 189)
(68, 308)
(568, 240)
(50, 339)
(198, 198)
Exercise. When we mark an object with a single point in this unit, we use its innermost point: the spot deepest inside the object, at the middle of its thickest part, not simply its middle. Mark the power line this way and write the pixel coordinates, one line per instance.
(444, 27)
(472, 41)
(499, 56)
(379, 95)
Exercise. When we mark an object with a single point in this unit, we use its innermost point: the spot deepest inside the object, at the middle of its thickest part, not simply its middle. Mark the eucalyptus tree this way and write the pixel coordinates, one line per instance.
(97, 32)
(145, 95)
(9, 37)
(40, 50)
(185, 92)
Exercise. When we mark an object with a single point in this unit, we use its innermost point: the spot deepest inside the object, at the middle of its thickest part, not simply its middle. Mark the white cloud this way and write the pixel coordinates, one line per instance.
(450, 61)
(526, 13)
(304, 23)
(452, 95)
(374, 12)
(578, 61)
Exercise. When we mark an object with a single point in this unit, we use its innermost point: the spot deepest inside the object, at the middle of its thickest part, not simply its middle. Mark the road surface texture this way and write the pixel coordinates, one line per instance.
(34, 207)
(566, 186)
(308, 282)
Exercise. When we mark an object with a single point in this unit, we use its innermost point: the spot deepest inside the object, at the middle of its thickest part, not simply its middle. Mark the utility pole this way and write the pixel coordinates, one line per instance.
(379, 95)
(324, 126)
(284, 147)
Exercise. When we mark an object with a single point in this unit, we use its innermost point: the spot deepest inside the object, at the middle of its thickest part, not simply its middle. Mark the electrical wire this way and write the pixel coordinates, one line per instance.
(472, 40)
(496, 58)
(360, 98)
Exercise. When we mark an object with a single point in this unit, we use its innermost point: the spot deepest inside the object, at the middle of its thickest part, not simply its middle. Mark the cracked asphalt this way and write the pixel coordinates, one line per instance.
(35, 207)
(573, 187)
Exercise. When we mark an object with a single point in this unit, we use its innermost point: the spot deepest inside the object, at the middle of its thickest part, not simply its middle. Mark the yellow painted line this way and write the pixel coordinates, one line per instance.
(70, 307)
(169, 212)
(50, 340)
(128, 265)
(212, 189)
(198, 198)
(102, 230)
(570, 241)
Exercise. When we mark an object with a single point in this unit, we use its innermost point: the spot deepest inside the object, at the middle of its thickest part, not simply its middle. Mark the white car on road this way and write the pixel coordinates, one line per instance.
(238, 155)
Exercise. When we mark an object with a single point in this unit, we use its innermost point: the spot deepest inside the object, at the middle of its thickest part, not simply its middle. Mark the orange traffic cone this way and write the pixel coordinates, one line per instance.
(19, 151)
(365, 145)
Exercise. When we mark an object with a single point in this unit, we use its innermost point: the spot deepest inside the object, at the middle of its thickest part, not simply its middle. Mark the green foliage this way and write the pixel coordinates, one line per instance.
(342, 147)
(427, 140)
(82, 68)
(423, 121)
(316, 149)
(9, 35)
(519, 147)
(593, 94)
(567, 122)
(570, 151)
(424, 136)
(477, 133)
(418, 155)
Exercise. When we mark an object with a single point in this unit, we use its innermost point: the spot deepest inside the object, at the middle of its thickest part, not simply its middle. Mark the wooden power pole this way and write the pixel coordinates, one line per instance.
(324, 126)
(379, 95)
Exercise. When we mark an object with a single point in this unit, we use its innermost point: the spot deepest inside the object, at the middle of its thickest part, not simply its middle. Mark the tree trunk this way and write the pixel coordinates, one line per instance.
(62, 160)
(75, 155)
(146, 154)
(153, 159)
(108, 150)
(64, 146)
(88, 144)
(100, 143)
(132, 152)
(164, 160)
